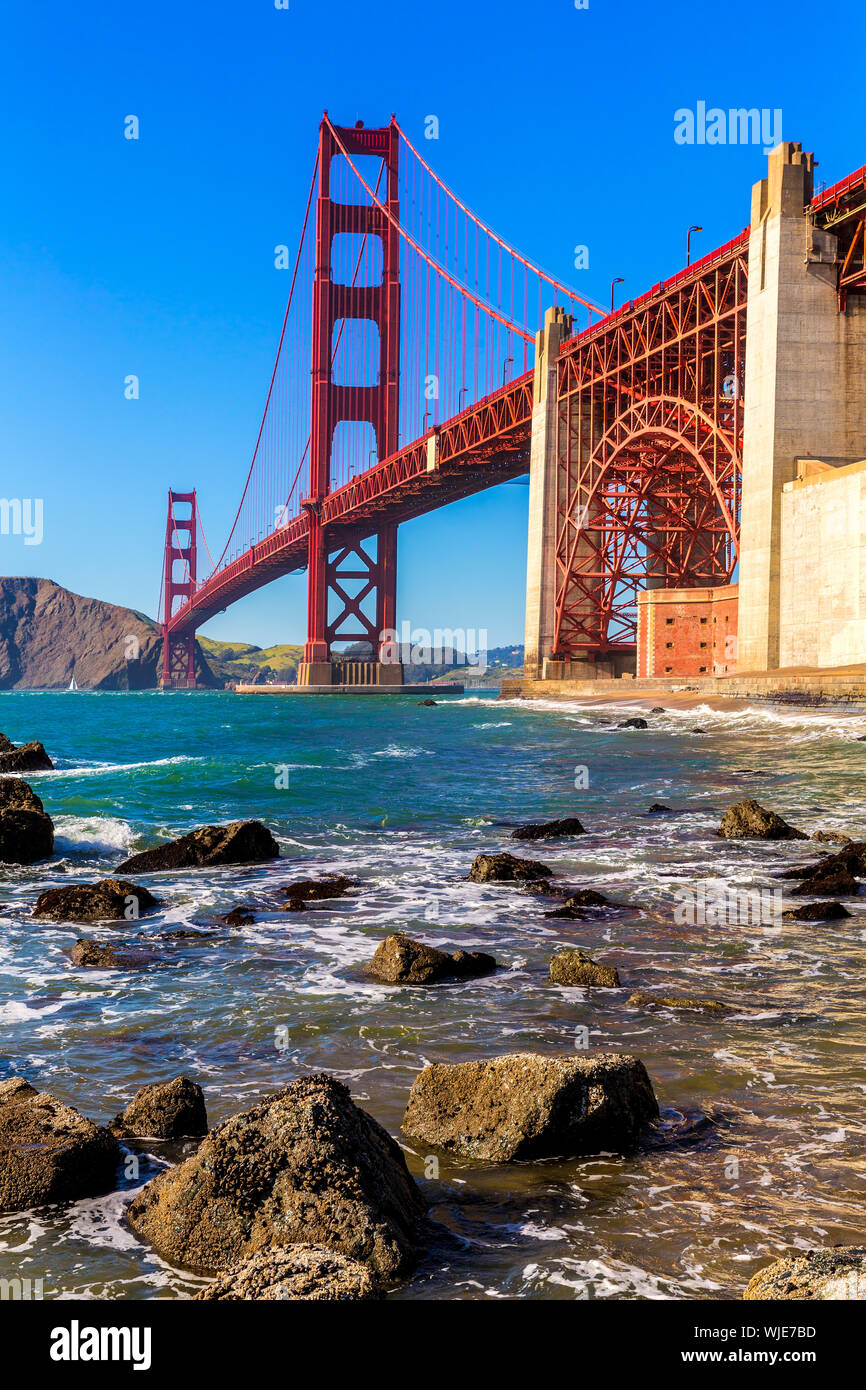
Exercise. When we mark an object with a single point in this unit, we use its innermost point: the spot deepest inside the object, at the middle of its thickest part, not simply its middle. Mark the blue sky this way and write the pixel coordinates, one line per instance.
(155, 257)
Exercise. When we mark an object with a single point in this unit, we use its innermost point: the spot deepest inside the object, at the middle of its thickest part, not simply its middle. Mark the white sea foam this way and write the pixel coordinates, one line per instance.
(100, 834)
(109, 769)
(800, 723)
(393, 750)
(16, 1012)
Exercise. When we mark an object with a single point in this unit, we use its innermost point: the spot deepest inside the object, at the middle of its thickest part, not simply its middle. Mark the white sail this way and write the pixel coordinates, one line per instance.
(72, 685)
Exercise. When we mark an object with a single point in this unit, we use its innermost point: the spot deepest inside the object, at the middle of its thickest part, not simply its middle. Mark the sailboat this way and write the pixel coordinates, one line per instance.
(72, 685)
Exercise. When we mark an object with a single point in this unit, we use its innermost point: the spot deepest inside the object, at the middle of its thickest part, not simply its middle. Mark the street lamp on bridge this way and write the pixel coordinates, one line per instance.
(618, 281)
(689, 243)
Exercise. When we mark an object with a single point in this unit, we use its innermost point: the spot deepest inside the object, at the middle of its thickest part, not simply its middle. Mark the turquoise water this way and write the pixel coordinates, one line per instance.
(761, 1144)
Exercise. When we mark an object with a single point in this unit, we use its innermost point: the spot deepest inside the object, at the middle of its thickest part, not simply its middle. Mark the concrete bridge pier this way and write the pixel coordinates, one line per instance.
(541, 552)
(803, 394)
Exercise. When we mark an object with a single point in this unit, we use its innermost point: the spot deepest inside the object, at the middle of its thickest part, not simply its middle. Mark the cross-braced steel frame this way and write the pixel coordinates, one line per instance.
(649, 448)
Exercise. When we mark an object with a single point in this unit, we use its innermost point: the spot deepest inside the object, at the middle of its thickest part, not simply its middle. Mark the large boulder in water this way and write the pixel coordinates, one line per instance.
(852, 858)
(26, 832)
(312, 890)
(241, 842)
(27, 757)
(816, 912)
(526, 1106)
(402, 961)
(839, 1273)
(308, 1272)
(575, 967)
(48, 1152)
(97, 955)
(549, 830)
(749, 821)
(830, 882)
(164, 1110)
(833, 876)
(18, 795)
(507, 868)
(109, 900)
(304, 1165)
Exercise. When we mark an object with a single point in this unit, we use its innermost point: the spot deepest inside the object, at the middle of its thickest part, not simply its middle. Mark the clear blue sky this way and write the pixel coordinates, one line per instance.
(155, 257)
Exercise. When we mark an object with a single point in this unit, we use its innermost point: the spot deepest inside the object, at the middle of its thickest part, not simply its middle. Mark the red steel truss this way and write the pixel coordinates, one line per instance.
(486, 444)
(650, 418)
(842, 211)
(649, 452)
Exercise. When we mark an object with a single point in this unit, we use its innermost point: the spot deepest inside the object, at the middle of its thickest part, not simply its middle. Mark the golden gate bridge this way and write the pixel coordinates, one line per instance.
(408, 372)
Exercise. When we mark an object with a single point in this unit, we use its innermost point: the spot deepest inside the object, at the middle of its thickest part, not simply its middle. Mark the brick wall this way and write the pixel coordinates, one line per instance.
(687, 632)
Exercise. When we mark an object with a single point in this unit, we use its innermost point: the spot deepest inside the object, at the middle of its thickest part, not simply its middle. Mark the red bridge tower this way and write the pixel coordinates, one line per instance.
(179, 583)
(340, 579)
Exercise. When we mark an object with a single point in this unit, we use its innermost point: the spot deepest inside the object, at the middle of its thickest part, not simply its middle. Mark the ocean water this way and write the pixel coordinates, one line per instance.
(760, 1147)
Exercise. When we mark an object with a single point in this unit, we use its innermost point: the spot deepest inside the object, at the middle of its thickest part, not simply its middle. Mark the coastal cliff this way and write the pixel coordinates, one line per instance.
(48, 635)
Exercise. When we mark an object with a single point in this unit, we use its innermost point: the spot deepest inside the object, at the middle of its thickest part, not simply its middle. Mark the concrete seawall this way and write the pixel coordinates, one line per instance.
(844, 686)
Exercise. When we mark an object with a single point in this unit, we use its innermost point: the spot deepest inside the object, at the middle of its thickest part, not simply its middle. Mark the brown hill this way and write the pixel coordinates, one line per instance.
(48, 635)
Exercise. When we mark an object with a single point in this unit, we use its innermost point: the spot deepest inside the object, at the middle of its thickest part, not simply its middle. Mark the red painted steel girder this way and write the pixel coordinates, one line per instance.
(650, 447)
(485, 445)
(623, 365)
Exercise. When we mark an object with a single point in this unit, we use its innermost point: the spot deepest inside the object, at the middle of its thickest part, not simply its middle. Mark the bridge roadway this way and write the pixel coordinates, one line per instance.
(486, 444)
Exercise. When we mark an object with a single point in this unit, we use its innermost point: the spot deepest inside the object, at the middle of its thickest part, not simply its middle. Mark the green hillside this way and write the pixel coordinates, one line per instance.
(232, 662)
(238, 661)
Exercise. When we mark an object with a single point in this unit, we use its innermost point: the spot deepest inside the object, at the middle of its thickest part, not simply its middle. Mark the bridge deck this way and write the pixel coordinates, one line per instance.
(486, 444)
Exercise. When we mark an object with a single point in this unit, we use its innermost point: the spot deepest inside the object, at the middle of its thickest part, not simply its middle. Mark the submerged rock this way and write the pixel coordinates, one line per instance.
(304, 1165)
(839, 1273)
(506, 868)
(187, 934)
(26, 832)
(852, 858)
(834, 837)
(526, 1106)
(643, 999)
(400, 960)
(578, 904)
(658, 709)
(48, 1151)
(308, 890)
(633, 724)
(95, 955)
(549, 830)
(657, 807)
(749, 821)
(308, 1272)
(427, 704)
(241, 842)
(816, 912)
(834, 881)
(238, 917)
(575, 967)
(109, 900)
(27, 757)
(164, 1110)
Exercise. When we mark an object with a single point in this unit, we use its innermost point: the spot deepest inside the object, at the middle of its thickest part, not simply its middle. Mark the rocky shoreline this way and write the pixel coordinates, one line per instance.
(315, 1198)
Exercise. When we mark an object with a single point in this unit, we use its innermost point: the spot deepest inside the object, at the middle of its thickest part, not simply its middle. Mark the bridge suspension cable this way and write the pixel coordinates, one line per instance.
(469, 309)
(567, 295)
